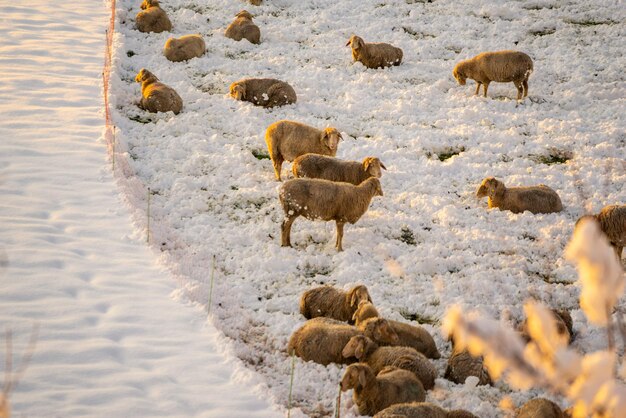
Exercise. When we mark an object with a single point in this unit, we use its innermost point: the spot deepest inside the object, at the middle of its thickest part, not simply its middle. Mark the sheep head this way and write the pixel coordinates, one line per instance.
(373, 165)
(146, 4)
(356, 42)
(237, 91)
(355, 377)
(459, 74)
(490, 187)
(379, 330)
(366, 310)
(145, 75)
(244, 14)
(330, 138)
(374, 183)
(359, 294)
(355, 347)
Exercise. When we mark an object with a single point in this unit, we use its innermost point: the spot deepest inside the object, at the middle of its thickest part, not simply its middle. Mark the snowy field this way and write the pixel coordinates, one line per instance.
(428, 243)
(111, 341)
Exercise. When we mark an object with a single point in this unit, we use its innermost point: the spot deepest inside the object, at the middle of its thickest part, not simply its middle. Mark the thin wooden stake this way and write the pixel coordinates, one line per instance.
(338, 403)
(609, 330)
(211, 286)
(148, 220)
(293, 366)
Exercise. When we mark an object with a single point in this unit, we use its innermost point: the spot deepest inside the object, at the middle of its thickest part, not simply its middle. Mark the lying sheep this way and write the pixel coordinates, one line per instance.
(156, 96)
(540, 407)
(374, 55)
(410, 335)
(367, 351)
(373, 393)
(462, 365)
(501, 66)
(184, 48)
(322, 339)
(612, 220)
(266, 92)
(152, 18)
(325, 200)
(243, 28)
(255, 2)
(317, 166)
(287, 140)
(563, 321)
(421, 410)
(536, 199)
(332, 303)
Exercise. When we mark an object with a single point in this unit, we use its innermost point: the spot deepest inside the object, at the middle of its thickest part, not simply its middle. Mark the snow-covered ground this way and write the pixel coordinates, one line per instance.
(112, 342)
(428, 243)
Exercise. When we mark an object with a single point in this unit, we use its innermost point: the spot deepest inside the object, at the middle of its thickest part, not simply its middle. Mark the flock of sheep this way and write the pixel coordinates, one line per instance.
(389, 369)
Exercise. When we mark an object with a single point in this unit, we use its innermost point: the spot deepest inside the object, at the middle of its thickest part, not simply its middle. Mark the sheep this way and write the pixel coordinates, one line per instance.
(243, 28)
(152, 18)
(462, 365)
(540, 407)
(374, 55)
(255, 2)
(156, 96)
(266, 92)
(322, 339)
(287, 140)
(327, 201)
(421, 410)
(321, 167)
(563, 321)
(184, 48)
(333, 303)
(410, 335)
(501, 66)
(612, 220)
(373, 393)
(367, 351)
(536, 199)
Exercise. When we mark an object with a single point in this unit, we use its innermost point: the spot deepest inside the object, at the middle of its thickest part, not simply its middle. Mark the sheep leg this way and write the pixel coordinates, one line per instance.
(339, 235)
(278, 165)
(485, 86)
(477, 88)
(618, 252)
(285, 236)
(520, 90)
(525, 84)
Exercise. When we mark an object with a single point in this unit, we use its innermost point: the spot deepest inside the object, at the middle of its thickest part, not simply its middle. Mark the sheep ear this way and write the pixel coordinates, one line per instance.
(349, 42)
(353, 299)
(358, 353)
(362, 378)
(366, 164)
(354, 316)
(383, 166)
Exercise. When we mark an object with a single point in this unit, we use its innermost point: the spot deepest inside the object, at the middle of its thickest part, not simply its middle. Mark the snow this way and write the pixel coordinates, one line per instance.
(112, 341)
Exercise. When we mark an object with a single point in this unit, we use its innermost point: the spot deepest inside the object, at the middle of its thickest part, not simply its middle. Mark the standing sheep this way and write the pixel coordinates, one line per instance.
(421, 410)
(462, 365)
(374, 55)
(184, 48)
(286, 140)
(321, 167)
(536, 199)
(332, 303)
(266, 92)
(243, 28)
(612, 220)
(152, 18)
(324, 200)
(367, 351)
(410, 335)
(322, 339)
(540, 407)
(501, 66)
(156, 96)
(373, 393)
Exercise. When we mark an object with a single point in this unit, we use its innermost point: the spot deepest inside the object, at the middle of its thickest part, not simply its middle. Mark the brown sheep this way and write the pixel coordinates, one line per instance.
(152, 18)
(243, 28)
(374, 55)
(156, 96)
(367, 351)
(563, 321)
(612, 220)
(501, 66)
(410, 335)
(255, 2)
(462, 365)
(321, 167)
(325, 200)
(266, 92)
(540, 407)
(421, 410)
(322, 339)
(536, 199)
(287, 140)
(332, 303)
(184, 48)
(373, 393)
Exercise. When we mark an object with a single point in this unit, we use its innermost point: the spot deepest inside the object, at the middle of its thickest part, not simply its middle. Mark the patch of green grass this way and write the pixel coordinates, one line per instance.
(419, 318)
(542, 32)
(554, 156)
(260, 155)
(446, 153)
(407, 236)
(415, 34)
(590, 22)
(130, 53)
(138, 118)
